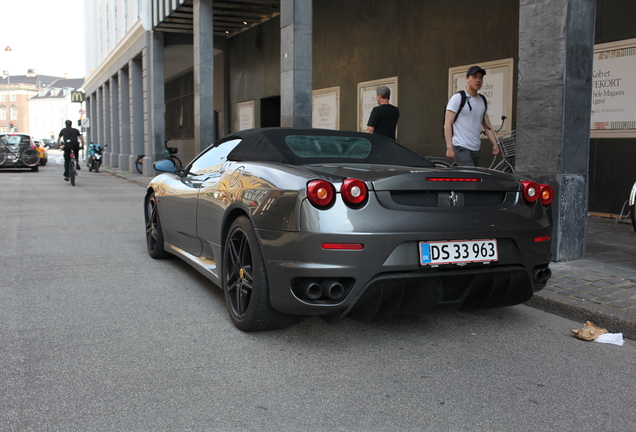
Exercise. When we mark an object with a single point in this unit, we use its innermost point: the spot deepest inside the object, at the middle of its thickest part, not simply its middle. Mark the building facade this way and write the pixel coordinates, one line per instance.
(193, 70)
(37, 104)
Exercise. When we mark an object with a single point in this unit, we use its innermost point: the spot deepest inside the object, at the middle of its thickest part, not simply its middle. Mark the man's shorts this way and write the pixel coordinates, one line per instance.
(465, 157)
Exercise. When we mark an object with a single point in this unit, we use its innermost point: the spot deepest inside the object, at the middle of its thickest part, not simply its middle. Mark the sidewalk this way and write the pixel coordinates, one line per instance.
(600, 287)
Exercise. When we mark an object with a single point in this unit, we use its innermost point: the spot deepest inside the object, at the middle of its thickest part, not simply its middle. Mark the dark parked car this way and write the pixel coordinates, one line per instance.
(17, 150)
(296, 222)
(50, 143)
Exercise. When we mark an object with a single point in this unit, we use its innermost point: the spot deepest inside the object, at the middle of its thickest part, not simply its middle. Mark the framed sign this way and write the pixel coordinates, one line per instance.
(614, 90)
(367, 99)
(325, 108)
(246, 115)
(497, 87)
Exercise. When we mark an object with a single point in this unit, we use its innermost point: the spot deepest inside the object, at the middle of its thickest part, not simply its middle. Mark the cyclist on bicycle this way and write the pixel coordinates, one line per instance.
(71, 138)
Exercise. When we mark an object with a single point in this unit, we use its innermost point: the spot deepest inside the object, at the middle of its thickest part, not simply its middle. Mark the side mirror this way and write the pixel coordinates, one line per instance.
(165, 165)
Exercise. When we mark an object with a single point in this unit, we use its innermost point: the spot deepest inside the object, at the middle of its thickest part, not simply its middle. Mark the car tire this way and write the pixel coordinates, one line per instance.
(154, 232)
(43, 162)
(245, 283)
(35, 168)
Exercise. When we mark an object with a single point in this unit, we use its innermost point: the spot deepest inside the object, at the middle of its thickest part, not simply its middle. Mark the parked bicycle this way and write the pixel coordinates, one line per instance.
(17, 154)
(168, 154)
(139, 164)
(631, 207)
(507, 150)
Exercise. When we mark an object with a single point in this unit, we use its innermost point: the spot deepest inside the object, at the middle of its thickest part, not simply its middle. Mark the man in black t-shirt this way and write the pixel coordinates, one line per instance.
(71, 138)
(383, 119)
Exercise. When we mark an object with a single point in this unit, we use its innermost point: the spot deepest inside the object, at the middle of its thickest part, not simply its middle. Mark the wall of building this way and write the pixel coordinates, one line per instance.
(254, 66)
(366, 40)
(612, 161)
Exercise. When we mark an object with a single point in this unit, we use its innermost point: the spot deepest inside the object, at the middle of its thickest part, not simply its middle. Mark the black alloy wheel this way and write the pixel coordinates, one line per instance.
(154, 233)
(245, 281)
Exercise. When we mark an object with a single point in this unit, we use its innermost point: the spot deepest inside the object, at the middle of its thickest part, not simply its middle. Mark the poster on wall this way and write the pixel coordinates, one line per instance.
(614, 90)
(367, 98)
(325, 111)
(246, 115)
(497, 87)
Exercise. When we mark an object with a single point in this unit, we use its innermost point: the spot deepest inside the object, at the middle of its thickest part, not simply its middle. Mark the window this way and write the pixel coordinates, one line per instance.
(13, 113)
(307, 146)
(12, 98)
(3, 113)
(214, 158)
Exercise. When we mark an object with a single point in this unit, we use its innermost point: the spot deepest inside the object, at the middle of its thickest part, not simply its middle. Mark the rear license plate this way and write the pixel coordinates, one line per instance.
(458, 252)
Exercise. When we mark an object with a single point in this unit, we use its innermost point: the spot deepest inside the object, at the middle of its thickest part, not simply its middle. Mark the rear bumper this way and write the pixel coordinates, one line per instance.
(386, 273)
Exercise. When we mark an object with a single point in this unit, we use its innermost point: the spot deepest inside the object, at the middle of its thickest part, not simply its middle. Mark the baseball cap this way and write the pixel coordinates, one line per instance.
(474, 70)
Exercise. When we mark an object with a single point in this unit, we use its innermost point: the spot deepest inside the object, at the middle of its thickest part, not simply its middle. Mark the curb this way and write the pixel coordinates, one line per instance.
(614, 320)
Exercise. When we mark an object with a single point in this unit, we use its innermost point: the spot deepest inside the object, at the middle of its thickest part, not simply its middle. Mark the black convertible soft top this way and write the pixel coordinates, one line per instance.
(272, 145)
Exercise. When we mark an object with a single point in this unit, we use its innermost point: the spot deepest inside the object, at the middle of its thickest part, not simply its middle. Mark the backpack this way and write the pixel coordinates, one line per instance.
(461, 105)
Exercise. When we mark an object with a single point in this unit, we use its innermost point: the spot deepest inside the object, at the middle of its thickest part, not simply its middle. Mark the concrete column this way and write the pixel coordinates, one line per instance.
(204, 132)
(136, 114)
(124, 113)
(554, 96)
(107, 116)
(296, 63)
(157, 103)
(113, 145)
(88, 136)
(99, 116)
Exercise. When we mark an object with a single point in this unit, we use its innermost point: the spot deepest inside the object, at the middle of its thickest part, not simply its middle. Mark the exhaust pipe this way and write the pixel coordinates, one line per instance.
(542, 275)
(332, 289)
(310, 289)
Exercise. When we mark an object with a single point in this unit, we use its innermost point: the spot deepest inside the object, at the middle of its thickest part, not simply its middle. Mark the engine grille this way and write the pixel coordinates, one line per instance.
(448, 198)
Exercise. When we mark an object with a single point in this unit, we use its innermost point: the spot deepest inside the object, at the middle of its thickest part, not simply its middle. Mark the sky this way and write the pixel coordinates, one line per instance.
(47, 35)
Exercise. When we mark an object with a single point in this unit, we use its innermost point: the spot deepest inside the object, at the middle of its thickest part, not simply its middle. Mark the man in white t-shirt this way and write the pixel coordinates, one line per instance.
(462, 131)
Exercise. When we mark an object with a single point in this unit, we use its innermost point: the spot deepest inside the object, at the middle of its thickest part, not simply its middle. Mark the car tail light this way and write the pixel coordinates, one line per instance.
(546, 194)
(354, 191)
(541, 239)
(320, 193)
(343, 246)
(530, 191)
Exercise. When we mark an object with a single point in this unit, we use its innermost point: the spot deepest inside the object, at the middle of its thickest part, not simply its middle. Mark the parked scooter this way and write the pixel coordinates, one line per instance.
(94, 159)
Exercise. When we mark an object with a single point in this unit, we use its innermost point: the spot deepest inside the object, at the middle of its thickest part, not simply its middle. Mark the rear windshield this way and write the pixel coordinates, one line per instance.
(306, 146)
(16, 139)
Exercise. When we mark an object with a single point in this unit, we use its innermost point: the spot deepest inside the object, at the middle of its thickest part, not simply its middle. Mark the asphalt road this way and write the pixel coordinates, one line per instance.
(97, 336)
